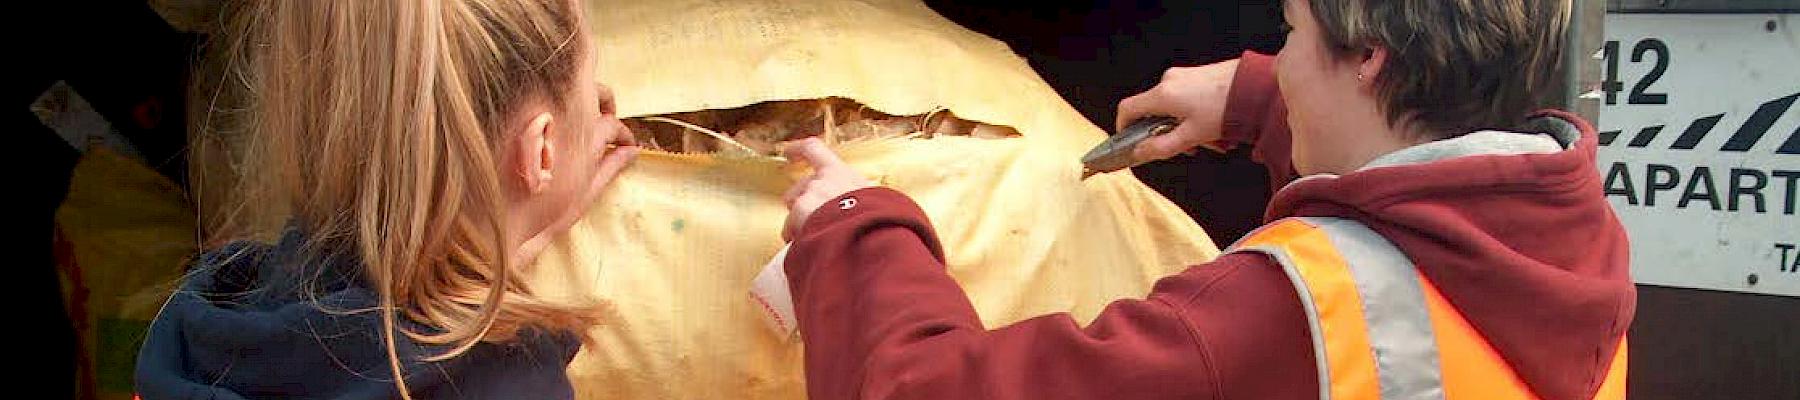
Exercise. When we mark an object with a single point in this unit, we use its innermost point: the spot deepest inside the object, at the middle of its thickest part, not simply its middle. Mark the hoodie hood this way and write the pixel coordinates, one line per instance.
(274, 321)
(1515, 230)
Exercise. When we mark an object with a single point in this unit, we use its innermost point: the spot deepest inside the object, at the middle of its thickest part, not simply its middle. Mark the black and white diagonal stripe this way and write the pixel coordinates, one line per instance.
(1746, 137)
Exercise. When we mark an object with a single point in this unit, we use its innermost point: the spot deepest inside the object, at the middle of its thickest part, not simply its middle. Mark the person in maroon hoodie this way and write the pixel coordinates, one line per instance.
(1410, 120)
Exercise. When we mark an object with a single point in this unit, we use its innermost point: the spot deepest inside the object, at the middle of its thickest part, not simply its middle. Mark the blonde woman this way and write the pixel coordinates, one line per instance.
(423, 152)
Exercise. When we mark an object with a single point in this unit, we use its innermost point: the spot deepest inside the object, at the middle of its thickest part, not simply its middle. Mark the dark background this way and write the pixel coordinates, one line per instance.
(1686, 344)
(1096, 53)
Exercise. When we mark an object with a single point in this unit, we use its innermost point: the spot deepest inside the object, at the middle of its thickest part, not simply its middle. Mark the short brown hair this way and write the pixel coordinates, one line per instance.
(1454, 66)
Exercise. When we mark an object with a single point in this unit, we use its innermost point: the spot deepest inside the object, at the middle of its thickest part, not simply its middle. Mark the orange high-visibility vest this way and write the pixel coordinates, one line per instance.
(1380, 330)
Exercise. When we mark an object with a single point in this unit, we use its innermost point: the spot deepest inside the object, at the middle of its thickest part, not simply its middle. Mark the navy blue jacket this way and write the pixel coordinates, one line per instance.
(254, 321)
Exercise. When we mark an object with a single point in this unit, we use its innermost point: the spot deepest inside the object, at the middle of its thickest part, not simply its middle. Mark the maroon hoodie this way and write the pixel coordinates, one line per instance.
(1524, 245)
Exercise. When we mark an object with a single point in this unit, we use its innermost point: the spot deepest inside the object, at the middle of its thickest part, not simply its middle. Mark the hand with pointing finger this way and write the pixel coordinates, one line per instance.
(830, 178)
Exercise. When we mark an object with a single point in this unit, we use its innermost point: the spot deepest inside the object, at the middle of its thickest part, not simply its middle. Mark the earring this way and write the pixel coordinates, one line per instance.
(1360, 77)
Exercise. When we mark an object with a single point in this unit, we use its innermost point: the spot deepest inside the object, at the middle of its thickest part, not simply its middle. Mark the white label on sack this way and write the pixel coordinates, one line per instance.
(769, 290)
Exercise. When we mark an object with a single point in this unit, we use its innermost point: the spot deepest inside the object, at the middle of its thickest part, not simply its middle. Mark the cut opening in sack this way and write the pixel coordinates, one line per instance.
(757, 128)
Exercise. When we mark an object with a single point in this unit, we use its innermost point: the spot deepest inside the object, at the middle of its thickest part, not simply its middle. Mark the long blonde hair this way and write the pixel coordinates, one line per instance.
(376, 127)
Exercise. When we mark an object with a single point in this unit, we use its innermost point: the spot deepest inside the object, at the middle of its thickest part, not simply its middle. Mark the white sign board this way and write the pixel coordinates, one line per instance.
(1700, 147)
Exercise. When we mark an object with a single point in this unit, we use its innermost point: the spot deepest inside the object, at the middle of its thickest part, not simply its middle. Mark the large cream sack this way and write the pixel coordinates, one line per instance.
(674, 245)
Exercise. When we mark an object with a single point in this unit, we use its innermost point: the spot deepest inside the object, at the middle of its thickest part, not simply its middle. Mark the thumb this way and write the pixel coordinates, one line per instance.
(1177, 141)
(1148, 103)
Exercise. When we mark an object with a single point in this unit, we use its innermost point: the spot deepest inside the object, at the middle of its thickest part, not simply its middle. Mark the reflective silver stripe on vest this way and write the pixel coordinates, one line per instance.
(1394, 309)
(1306, 303)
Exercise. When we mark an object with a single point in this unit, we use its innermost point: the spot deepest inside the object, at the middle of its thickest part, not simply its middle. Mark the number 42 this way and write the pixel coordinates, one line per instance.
(1639, 92)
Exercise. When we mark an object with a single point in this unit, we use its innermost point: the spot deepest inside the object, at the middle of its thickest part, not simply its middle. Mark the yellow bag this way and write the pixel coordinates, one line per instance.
(124, 236)
(674, 244)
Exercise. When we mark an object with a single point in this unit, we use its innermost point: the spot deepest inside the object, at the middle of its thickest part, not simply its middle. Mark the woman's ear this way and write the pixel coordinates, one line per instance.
(533, 154)
(1374, 57)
